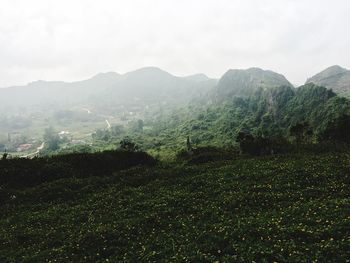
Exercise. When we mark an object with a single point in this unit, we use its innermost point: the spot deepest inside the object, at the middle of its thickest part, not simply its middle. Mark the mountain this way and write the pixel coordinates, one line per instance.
(198, 77)
(335, 78)
(269, 112)
(153, 85)
(99, 81)
(238, 82)
(273, 111)
(149, 84)
(42, 93)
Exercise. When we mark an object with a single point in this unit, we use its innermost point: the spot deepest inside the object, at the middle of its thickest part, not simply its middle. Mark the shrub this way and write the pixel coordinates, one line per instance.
(25, 172)
(205, 155)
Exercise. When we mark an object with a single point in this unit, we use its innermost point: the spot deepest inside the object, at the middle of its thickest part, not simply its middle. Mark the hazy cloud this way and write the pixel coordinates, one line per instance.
(75, 39)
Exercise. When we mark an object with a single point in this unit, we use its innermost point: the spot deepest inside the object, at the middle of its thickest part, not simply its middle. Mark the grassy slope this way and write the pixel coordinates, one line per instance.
(286, 208)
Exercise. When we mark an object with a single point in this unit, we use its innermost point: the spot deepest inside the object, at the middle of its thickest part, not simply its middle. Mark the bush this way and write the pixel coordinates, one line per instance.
(260, 145)
(25, 172)
(127, 145)
(206, 154)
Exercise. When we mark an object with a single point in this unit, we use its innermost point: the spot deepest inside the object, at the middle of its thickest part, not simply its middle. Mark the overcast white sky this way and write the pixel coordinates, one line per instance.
(75, 39)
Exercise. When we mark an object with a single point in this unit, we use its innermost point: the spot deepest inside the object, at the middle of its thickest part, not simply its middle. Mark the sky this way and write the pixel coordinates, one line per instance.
(75, 39)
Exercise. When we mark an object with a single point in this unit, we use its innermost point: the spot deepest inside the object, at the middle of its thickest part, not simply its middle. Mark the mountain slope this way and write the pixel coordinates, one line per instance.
(269, 112)
(335, 78)
(237, 82)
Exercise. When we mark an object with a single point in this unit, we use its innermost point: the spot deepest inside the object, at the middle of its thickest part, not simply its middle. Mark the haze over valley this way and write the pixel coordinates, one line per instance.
(174, 131)
(76, 110)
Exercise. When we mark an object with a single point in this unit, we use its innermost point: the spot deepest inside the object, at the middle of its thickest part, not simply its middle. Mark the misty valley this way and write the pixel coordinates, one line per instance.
(159, 111)
(197, 131)
(87, 114)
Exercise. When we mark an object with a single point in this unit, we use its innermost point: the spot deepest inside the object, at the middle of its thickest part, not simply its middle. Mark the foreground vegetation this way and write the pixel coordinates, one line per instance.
(283, 208)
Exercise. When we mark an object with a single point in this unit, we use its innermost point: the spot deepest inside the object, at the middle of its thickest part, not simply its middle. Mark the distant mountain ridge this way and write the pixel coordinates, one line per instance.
(55, 92)
(153, 85)
(148, 82)
(335, 78)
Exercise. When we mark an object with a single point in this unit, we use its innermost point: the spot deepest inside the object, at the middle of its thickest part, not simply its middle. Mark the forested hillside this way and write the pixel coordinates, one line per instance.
(307, 114)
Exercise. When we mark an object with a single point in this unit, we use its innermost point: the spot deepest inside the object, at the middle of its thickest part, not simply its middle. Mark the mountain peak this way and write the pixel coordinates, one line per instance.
(335, 68)
(255, 69)
(148, 71)
(335, 78)
(197, 77)
(328, 72)
(242, 82)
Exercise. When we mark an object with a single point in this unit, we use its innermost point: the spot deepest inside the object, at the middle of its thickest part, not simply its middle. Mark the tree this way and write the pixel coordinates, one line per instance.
(301, 132)
(117, 130)
(127, 145)
(52, 139)
(137, 126)
(246, 143)
(261, 145)
(103, 135)
(188, 143)
(337, 130)
(4, 156)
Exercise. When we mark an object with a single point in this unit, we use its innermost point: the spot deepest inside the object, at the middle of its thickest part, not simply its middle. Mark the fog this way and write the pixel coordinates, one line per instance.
(74, 40)
(117, 116)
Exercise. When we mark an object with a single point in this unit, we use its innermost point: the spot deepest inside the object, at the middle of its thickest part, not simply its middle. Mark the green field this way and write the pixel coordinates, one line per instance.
(287, 208)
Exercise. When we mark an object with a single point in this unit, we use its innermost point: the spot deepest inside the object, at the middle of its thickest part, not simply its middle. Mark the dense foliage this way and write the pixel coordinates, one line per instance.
(30, 172)
(280, 115)
(291, 208)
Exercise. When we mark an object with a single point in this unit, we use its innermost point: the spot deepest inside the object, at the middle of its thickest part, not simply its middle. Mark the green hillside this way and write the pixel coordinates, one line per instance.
(270, 113)
(291, 208)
